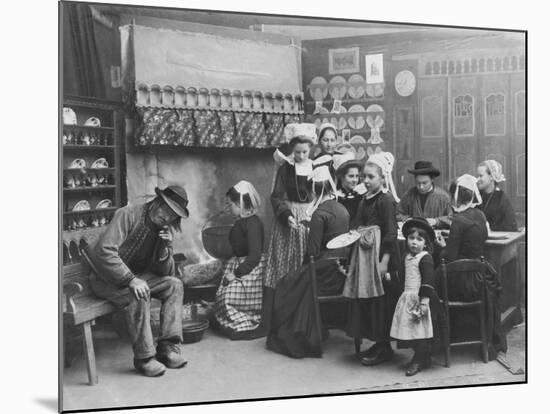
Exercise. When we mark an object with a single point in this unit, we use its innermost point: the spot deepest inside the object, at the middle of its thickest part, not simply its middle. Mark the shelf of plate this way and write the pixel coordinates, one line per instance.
(91, 211)
(347, 101)
(88, 170)
(80, 147)
(97, 188)
(88, 128)
(87, 233)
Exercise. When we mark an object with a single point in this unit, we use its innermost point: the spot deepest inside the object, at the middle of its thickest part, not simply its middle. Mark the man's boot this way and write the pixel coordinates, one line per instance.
(149, 367)
(169, 353)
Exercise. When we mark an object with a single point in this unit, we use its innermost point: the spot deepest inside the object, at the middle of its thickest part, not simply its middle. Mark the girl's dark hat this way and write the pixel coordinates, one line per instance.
(176, 198)
(424, 168)
(418, 222)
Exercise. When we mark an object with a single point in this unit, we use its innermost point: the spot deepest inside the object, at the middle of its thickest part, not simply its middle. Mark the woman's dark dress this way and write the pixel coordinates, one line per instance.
(350, 200)
(372, 318)
(499, 211)
(293, 330)
(466, 241)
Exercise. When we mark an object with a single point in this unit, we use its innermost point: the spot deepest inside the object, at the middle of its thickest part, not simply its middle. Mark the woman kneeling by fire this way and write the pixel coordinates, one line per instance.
(239, 297)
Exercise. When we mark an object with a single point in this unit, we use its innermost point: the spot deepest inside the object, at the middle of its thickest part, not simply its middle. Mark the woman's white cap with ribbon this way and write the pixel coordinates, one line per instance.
(495, 170)
(245, 187)
(469, 182)
(339, 160)
(320, 174)
(304, 130)
(385, 161)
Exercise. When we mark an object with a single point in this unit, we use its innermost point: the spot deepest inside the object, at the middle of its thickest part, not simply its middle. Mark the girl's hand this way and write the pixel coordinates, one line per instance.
(292, 222)
(383, 270)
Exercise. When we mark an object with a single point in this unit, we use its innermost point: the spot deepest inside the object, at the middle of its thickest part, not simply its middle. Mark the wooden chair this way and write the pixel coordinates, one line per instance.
(317, 300)
(457, 268)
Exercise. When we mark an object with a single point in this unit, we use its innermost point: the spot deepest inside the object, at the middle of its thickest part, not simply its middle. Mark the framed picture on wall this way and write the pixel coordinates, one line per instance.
(343, 60)
(374, 65)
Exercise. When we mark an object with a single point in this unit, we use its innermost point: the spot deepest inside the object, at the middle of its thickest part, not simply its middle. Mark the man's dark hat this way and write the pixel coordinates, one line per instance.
(176, 198)
(424, 168)
(418, 222)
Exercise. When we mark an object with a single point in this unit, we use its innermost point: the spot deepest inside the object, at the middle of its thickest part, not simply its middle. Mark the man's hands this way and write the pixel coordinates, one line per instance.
(166, 235)
(431, 221)
(140, 289)
(228, 279)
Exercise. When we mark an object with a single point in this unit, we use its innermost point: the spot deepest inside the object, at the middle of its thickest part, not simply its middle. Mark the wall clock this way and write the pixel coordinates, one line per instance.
(405, 83)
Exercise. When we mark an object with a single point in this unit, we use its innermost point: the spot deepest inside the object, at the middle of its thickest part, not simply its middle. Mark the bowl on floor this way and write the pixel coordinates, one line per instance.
(193, 330)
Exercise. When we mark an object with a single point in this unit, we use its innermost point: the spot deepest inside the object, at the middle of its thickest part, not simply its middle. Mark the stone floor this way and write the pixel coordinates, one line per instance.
(220, 369)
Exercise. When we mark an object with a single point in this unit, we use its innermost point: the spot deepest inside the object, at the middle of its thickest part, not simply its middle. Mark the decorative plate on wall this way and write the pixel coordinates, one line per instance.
(318, 88)
(93, 121)
(405, 83)
(82, 205)
(356, 86)
(78, 163)
(375, 90)
(337, 87)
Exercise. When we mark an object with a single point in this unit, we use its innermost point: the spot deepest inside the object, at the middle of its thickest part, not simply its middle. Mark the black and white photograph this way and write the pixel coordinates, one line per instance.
(260, 206)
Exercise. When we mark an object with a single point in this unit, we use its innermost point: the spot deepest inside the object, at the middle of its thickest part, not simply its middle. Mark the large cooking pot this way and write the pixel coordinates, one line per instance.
(215, 237)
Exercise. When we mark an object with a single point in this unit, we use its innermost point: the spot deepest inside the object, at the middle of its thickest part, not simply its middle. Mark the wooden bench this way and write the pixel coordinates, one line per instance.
(81, 307)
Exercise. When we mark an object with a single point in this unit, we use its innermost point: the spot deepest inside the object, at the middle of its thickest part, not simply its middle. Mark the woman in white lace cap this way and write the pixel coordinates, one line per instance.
(291, 199)
(466, 240)
(495, 204)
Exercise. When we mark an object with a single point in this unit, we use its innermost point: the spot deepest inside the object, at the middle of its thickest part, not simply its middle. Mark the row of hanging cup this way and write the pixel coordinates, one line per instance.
(215, 99)
(95, 220)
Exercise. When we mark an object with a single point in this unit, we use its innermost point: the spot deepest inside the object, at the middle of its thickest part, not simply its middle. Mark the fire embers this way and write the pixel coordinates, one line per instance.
(208, 272)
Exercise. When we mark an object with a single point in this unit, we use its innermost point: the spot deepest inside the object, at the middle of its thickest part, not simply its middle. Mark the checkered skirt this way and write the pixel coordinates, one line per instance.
(239, 304)
(287, 247)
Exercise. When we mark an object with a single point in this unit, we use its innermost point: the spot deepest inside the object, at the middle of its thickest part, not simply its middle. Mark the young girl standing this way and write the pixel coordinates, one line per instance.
(372, 317)
(412, 319)
(239, 297)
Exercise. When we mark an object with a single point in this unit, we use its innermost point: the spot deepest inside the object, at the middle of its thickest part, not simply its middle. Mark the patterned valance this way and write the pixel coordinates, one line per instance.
(207, 128)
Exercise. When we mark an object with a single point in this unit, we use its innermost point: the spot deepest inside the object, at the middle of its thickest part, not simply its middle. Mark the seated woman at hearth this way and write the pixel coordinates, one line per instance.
(466, 240)
(239, 297)
(495, 204)
(293, 331)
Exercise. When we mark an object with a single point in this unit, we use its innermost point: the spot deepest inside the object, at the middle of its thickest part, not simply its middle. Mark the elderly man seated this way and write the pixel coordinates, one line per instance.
(132, 262)
(425, 199)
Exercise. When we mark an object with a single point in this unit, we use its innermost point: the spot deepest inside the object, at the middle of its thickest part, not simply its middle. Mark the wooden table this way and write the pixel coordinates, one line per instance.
(503, 253)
